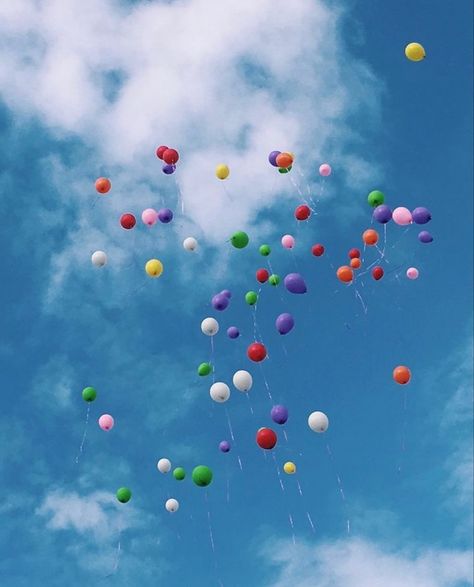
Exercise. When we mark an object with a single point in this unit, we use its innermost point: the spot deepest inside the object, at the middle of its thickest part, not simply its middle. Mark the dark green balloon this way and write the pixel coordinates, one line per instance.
(265, 250)
(375, 198)
(204, 369)
(123, 494)
(274, 279)
(251, 298)
(89, 394)
(239, 239)
(202, 475)
(179, 473)
(285, 169)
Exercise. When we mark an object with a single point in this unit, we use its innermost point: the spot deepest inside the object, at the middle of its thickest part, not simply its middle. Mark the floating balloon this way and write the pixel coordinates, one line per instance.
(356, 263)
(295, 284)
(251, 297)
(421, 215)
(149, 216)
(370, 237)
(302, 212)
(190, 244)
(128, 221)
(99, 259)
(89, 394)
(227, 293)
(202, 475)
(354, 254)
(325, 169)
(272, 158)
(287, 241)
(382, 214)
(179, 473)
(219, 392)
(284, 323)
(204, 369)
(415, 52)
(102, 185)
(262, 275)
(425, 237)
(375, 198)
(220, 302)
(172, 505)
(164, 466)
(402, 216)
(274, 279)
(233, 332)
(284, 160)
(256, 352)
(160, 151)
(402, 375)
(377, 272)
(224, 446)
(168, 169)
(106, 422)
(317, 250)
(279, 414)
(239, 239)
(222, 171)
(242, 380)
(154, 268)
(264, 250)
(170, 156)
(123, 494)
(318, 422)
(289, 468)
(412, 273)
(345, 274)
(266, 438)
(210, 326)
(165, 215)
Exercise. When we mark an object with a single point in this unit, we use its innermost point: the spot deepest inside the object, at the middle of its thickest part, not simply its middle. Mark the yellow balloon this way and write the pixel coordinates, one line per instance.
(415, 52)
(289, 468)
(222, 171)
(154, 268)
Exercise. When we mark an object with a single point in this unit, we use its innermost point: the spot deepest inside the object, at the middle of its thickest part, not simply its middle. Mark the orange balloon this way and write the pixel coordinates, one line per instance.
(402, 374)
(284, 160)
(345, 274)
(103, 185)
(356, 263)
(370, 237)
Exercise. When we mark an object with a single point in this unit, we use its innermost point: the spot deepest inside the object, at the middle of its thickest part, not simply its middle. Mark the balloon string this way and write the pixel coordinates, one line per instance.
(310, 521)
(285, 436)
(180, 195)
(266, 383)
(339, 483)
(359, 297)
(299, 488)
(84, 434)
(404, 429)
(212, 360)
(250, 404)
(278, 472)
(94, 203)
(308, 189)
(230, 425)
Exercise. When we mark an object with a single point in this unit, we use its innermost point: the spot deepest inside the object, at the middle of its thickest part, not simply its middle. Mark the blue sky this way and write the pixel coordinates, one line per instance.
(93, 91)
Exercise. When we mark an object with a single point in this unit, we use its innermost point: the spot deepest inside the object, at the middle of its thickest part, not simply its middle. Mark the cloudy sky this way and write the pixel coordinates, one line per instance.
(91, 88)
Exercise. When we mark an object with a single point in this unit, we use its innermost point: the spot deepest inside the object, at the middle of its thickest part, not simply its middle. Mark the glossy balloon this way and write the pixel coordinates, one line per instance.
(164, 466)
(370, 237)
(262, 275)
(289, 468)
(401, 375)
(284, 323)
(99, 258)
(242, 380)
(377, 272)
(190, 244)
(172, 505)
(239, 239)
(219, 392)
(202, 476)
(302, 212)
(224, 446)
(124, 494)
(412, 273)
(415, 52)
(256, 352)
(402, 216)
(318, 422)
(375, 198)
(279, 414)
(382, 214)
(149, 216)
(425, 237)
(222, 171)
(345, 274)
(287, 241)
(102, 185)
(421, 215)
(154, 268)
(210, 326)
(89, 394)
(325, 170)
(317, 250)
(266, 438)
(295, 283)
(233, 332)
(106, 422)
(128, 221)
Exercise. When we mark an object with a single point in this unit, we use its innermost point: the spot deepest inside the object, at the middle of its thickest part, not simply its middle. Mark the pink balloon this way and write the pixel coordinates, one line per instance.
(288, 241)
(402, 216)
(325, 169)
(106, 422)
(149, 216)
(412, 273)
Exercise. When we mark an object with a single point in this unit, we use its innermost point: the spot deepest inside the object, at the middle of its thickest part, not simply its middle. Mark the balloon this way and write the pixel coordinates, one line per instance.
(412, 273)
(294, 283)
(283, 170)
(170, 156)
(415, 52)
(154, 268)
(210, 326)
(164, 466)
(239, 239)
(382, 214)
(222, 171)
(251, 297)
(128, 221)
(224, 446)
(318, 422)
(123, 494)
(284, 323)
(202, 476)
(99, 259)
(179, 473)
(256, 352)
(402, 375)
(421, 215)
(172, 505)
(370, 237)
(284, 160)
(149, 216)
(266, 438)
(354, 254)
(345, 274)
(317, 250)
(279, 414)
(274, 279)
(425, 237)
(204, 369)
(219, 392)
(302, 212)
(272, 158)
(402, 216)
(264, 250)
(288, 241)
(233, 332)
(355, 263)
(262, 275)
(89, 394)
(220, 302)
(227, 293)
(168, 169)
(165, 215)
(242, 380)
(325, 169)
(377, 272)
(190, 244)
(289, 468)
(102, 185)
(106, 422)
(375, 198)
(160, 151)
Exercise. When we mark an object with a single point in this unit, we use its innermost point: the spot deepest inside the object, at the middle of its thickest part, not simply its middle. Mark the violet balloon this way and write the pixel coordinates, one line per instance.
(224, 446)
(165, 215)
(279, 414)
(220, 302)
(272, 158)
(233, 332)
(294, 283)
(382, 214)
(425, 237)
(227, 293)
(284, 323)
(168, 169)
(421, 215)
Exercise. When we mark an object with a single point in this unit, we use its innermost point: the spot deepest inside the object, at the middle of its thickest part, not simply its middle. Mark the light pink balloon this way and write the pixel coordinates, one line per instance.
(149, 216)
(106, 422)
(412, 273)
(288, 241)
(402, 216)
(325, 169)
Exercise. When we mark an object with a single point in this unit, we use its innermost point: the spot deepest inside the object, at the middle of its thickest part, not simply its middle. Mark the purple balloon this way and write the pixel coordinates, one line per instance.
(165, 215)
(279, 414)
(272, 157)
(382, 214)
(233, 332)
(284, 323)
(220, 302)
(227, 293)
(294, 283)
(425, 237)
(224, 446)
(168, 169)
(421, 215)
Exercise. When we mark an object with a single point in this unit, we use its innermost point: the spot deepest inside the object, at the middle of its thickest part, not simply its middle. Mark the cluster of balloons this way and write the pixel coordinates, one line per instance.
(201, 475)
(169, 157)
(284, 161)
(106, 421)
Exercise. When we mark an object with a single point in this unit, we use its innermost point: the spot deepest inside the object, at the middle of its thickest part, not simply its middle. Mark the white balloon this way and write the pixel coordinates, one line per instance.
(190, 244)
(219, 392)
(99, 259)
(242, 380)
(210, 326)
(164, 465)
(172, 505)
(318, 422)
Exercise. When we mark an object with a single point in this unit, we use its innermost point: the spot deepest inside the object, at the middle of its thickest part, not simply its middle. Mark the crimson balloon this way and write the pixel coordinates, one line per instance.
(128, 221)
(266, 438)
(256, 352)
(160, 151)
(170, 156)
(302, 212)
(354, 254)
(262, 275)
(377, 273)
(317, 250)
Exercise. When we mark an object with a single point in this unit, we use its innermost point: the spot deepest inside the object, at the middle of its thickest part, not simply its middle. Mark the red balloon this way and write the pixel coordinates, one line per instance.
(262, 275)
(317, 250)
(128, 221)
(170, 156)
(160, 151)
(377, 273)
(102, 185)
(354, 254)
(256, 352)
(302, 212)
(266, 438)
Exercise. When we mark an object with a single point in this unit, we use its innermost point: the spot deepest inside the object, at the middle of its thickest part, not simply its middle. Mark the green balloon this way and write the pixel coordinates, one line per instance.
(274, 279)
(265, 250)
(202, 475)
(204, 369)
(179, 473)
(285, 169)
(123, 494)
(251, 298)
(239, 239)
(375, 198)
(89, 394)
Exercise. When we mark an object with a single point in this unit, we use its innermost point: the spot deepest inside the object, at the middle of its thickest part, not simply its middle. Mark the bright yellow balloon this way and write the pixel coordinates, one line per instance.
(289, 468)
(222, 171)
(154, 268)
(415, 52)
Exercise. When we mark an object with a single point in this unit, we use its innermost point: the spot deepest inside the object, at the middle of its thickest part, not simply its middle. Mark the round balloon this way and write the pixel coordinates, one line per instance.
(149, 216)
(421, 215)
(99, 259)
(284, 160)
(375, 198)
(318, 422)
(412, 273)
(272, 158)
(179, 473)
(204, 369)
(106, 422)
(224, 446)
(264, 250)
(164, 466)
(210, 326)
(295, 284)
(219, 392)
(202, 475)
(370, 237)
(220, 302)
(266, 438)
(233, 332)
(325, 169)
(123, 494)
(415, 52)
(154, 268)
(242, 380)
(251, 297)
(190, 244)
(172, 505)
(356, 263)
(425, 237)
(402, 375)
(289, 468)
(239, 239)
(377, 272)
(317, 250)
(284, 323)
(354, 254)
(262, 275)
(279, 414)
(302, 212)
(222, 171)
(402, 216)
(165, 215)
(168, 169)
(382, 214)
(345, 274)
(160, 150)
(127, 221)
(256, 352)
(288, 241)
(89, 394)
(170, 156)
(102, 185)
(274, 279)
